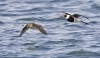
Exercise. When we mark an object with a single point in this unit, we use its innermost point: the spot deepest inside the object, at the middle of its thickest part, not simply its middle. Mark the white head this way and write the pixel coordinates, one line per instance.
(65, 15)
(24, 24)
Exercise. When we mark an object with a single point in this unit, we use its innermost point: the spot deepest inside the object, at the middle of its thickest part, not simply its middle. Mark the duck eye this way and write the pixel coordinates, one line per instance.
(65, 15)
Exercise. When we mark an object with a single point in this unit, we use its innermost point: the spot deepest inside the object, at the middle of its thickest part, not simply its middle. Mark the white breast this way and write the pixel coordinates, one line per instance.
(31, 26)
(76, 19)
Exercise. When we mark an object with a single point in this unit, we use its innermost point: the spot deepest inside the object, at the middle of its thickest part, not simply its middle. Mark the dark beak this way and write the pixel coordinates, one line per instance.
(61, 16)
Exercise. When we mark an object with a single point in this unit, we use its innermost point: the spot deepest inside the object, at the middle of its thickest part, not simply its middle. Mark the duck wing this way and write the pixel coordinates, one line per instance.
(40, 28)
(24, 30)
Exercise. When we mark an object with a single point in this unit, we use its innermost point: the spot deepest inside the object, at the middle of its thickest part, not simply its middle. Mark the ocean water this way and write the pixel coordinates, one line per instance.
(64, 39)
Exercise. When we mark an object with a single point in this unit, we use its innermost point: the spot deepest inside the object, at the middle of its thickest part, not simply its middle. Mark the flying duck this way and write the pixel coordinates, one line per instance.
(73, 18)
(32, 26)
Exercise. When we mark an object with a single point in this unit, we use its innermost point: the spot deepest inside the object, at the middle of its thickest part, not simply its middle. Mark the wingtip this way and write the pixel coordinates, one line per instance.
(19, 35)
(45, 33)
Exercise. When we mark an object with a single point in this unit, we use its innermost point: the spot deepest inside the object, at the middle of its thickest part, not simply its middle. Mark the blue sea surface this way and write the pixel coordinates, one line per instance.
(64, 39)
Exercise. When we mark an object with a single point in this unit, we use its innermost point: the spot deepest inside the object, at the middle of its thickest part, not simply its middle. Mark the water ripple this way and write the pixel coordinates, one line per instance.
(64, 39)
(1, 22)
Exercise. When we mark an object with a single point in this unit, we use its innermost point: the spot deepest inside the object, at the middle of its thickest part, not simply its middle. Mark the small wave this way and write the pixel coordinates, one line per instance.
(33, 19)
(76, 25)
(73, 41)
(94, 22)
(54, 20)
(1, 22)
(27, 19)
(60, 0)
(96, 6)
(40, 19)
(53, 42)
(83, 52)
(32, 48)
(95, 46)
(28, 43)
(59, 18)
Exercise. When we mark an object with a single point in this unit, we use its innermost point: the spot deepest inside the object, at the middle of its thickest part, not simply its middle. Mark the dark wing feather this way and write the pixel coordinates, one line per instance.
(40, 28)
(24, 30)
(78, 15)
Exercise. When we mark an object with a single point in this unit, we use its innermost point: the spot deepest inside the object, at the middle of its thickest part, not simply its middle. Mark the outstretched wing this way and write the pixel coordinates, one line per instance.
(85, 17)
(24, 30)
(40, 28)
(78, 15)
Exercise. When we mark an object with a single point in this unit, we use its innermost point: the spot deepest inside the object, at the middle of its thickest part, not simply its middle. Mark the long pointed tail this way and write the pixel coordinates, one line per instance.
(85, 17)
(83, 22)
